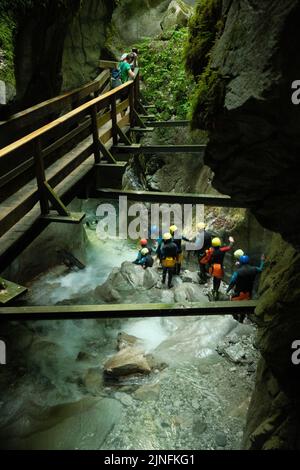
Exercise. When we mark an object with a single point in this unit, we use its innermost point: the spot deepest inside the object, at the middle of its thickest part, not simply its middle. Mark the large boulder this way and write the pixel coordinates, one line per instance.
(128, 361)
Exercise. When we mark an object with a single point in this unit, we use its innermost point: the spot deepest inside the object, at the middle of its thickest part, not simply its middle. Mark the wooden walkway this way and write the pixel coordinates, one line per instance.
(62, 142)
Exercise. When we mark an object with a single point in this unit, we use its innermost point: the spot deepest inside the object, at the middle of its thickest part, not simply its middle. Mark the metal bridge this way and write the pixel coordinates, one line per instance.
(75, 143)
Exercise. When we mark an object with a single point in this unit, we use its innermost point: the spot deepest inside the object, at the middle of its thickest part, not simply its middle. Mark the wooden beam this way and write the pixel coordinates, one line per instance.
(106, 153)
(126, 310)
(123, 136)
(138, 149)
(142, 129)
(56, 201)
(167, 123)
(71, 218)
(171, 198)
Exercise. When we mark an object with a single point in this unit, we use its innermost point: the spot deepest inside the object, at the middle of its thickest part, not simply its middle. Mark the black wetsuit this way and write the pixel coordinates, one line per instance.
(168, 250)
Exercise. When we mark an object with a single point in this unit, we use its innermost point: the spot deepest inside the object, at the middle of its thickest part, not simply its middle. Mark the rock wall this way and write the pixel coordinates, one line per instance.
(253, 152)
(253, 149)
(58, 49)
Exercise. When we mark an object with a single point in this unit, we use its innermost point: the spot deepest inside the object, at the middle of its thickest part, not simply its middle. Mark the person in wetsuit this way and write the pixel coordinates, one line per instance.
(243, 279)
(216, 262)
(177, 239)
(146, 260)
(202, 242)
(169, 252)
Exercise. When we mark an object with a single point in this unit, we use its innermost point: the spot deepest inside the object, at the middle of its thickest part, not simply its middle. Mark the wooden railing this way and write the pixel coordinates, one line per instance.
(34, 116)
(40, 144)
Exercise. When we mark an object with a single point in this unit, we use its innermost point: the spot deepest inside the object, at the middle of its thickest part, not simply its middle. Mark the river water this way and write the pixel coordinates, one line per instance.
(54, 394)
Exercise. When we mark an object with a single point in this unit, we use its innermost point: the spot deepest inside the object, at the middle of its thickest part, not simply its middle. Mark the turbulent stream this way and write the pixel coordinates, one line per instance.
(54, 394)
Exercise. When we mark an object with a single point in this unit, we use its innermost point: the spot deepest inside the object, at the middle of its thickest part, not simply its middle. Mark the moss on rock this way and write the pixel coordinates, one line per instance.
(7, 28)
(207, 99)
(204, 27)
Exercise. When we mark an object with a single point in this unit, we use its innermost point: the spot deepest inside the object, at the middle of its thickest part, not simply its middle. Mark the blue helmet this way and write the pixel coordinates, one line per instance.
(154, 230)
(244, 259)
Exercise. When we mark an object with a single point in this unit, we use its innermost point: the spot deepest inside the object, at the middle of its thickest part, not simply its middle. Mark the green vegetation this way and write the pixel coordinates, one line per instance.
(7, 28)
(163, 73)
(205, 27)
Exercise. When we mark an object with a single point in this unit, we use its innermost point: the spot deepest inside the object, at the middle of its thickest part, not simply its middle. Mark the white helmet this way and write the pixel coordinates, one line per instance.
(167, 236)
(201, 226)
(238, 253)
(144, 251)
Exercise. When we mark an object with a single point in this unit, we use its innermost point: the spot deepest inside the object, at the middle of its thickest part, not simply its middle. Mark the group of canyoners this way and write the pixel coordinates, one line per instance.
(210, 254)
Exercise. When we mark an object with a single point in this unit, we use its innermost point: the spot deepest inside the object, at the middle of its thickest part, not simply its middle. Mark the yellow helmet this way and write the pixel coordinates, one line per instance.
(144, 251)
(201, 226)
(216, 242)
(173, 228)
(167, 236)
(238, 253)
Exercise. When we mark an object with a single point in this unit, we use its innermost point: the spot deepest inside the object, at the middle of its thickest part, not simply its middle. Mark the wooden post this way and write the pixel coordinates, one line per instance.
(95, 133)
(131, 104)
(40, 176)
(114, 120)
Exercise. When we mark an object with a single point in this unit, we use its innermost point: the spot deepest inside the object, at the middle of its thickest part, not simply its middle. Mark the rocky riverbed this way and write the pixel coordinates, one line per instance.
(195, 395)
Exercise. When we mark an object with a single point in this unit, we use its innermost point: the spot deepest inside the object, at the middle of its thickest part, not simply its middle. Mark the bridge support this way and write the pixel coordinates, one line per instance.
(65, 312)
(10, 291)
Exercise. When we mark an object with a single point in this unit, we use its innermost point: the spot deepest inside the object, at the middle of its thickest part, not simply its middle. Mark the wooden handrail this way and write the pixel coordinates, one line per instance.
(108, 64)
(103, 99)
(39, 111)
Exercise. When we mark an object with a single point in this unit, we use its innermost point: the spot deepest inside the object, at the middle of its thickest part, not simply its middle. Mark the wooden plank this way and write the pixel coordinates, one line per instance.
(171, 198)
(148, 116)
(71, 218)
(108, 64)
(134, 149)
(127, 310)
(10, 291)
(142, 129)
(40, 176)
(167, 123)
(53, 105)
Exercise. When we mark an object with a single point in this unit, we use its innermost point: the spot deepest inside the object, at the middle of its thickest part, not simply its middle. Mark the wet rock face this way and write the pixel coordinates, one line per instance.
(177, 14)
(253, 149)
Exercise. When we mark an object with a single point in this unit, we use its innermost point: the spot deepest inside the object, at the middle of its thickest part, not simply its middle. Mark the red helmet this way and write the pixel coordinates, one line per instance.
(143, 242)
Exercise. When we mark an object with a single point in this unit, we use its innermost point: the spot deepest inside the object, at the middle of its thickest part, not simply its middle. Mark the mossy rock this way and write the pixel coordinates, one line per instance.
(208, 99)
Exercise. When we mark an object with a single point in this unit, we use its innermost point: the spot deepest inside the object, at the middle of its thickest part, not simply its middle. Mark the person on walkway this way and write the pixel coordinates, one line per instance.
(177, 239)
(242, 280)
(125, 68)
(146, 260)
(169, 251)
(202, 242)
(217, 254)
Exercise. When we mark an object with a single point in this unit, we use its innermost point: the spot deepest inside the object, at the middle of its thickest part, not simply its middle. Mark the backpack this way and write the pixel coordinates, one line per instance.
(116, 74)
